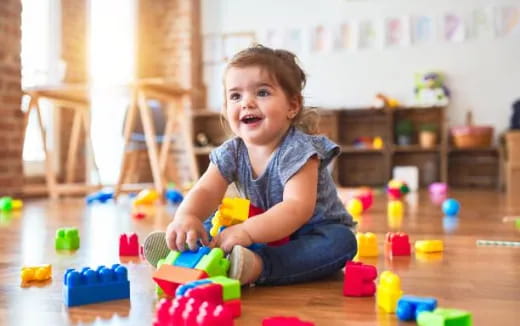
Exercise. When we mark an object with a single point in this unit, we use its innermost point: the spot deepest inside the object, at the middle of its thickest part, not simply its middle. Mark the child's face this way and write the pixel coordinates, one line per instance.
(257, 109)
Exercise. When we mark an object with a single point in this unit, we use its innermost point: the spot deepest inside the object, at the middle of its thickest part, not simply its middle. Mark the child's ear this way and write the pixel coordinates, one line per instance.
(294, 107)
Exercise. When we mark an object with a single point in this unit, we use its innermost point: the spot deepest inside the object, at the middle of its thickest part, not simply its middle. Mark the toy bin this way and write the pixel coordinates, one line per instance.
(471, 136)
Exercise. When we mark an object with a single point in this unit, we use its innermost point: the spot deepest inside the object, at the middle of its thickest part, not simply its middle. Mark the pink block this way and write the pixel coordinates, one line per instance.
(183, 311)
(234, 306)
(128, 245)
(212, 293)
(398, 244)
(359, 280)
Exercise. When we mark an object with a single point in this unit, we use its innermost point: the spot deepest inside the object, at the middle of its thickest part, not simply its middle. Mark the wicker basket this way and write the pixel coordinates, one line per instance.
(470, 136)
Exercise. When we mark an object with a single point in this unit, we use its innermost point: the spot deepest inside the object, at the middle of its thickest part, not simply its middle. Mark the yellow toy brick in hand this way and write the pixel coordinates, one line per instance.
(367, 244)
(231, 211)
(388, 291)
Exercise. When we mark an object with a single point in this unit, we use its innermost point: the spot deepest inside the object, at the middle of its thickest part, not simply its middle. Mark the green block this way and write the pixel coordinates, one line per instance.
(67, 239)
(170, 259)
(158, 291)
(517, 223)
(231, 287)
(6, 204)
(444, 317)
(214, 263)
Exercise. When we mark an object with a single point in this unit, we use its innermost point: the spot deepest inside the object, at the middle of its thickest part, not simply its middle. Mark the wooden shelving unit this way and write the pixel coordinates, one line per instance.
(357, 166)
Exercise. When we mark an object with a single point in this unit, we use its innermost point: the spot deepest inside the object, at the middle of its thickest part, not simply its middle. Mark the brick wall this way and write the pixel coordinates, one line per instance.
(11, 122)
(74, 52)
(169, 45)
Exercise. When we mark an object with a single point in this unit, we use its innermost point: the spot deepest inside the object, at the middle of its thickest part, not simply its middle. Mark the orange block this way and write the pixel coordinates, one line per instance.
(169, 277)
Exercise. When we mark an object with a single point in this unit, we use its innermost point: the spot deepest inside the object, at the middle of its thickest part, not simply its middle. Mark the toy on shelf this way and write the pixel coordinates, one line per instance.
(450, 207)
(67, 239)
(91, 286)
(368, 142)
(397, 189)
(397, 244)
(409, 307)
(444, 317)
(367, 244)
(146, 197)
(388, 291)
(285, 321)
(128, 245)
(382, 101)
(101, 196)
(8, 204)
(36, 273)
(193, 312)
(429, 246)
(359, 280)
(430, 89)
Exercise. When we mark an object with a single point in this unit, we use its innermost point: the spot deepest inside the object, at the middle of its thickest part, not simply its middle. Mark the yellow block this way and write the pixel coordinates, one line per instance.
(429, 246)
(367, 244)
(388, 291)
(36, 273)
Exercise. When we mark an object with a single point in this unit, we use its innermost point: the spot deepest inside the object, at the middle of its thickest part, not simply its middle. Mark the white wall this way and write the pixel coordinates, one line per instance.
(483, 74)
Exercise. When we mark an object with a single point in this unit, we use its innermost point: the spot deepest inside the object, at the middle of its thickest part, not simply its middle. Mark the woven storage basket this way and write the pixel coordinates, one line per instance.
(470, 136)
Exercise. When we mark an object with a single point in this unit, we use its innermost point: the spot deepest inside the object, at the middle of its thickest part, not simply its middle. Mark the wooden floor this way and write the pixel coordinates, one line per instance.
(483, 280)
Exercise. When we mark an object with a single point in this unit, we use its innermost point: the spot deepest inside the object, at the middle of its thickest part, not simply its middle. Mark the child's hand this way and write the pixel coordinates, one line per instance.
(184, 230)
(231, 236)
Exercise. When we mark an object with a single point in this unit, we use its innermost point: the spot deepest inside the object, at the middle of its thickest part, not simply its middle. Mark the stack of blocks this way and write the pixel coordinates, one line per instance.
(184, 311)
(67, 239)
(91, 286)
(180, 268)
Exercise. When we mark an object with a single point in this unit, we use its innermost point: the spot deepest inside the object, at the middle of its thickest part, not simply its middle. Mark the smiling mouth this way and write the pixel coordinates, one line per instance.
(250, 119)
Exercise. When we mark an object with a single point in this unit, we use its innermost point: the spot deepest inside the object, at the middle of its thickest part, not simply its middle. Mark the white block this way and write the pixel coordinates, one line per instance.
(408, 174)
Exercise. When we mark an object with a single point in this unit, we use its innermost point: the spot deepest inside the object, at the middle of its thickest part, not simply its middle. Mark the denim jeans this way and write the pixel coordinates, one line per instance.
(315, 251)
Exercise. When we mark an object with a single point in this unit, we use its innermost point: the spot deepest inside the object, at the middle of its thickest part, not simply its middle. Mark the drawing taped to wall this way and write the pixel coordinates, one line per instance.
(482, 25)
(397, 31)
(343, 37)
(423, 29)
(508, 21)
(454, 28)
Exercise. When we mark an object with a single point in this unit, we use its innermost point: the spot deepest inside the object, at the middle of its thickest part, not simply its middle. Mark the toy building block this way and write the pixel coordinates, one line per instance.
(146, 197)
(367, 244)
(230, 286)
(182, 289)
(429, 246)
(190, 259)
(170, 259)
(395, 208)
(210, 292)
(91, 286)
(67, 239)
(36, 273)
(8, 204)
(409, 307)
(128, 245)
(444, 317)
(101, 196)
(192, 312)
(174, 196)
(285, 321)
(359, 280)
(169, 277)
(214, 263)
(388, 291)
(231, 211)
(397, 244)
(234, 306)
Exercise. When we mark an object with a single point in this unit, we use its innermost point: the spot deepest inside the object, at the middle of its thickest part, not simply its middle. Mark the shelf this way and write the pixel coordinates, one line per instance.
(203, 150)
(353, 149)
(204, 113)
(416, 149)
(491, 149)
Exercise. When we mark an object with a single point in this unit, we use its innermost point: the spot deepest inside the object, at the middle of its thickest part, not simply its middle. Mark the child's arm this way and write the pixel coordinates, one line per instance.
(296, 208)
(200, 203)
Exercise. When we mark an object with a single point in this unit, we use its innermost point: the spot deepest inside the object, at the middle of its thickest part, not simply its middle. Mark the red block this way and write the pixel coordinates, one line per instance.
(169, 277)
(285, 321)
(234, 306)
(359, 280)
(398, 244)
(184, 311)
(208, 292)
(128, 245)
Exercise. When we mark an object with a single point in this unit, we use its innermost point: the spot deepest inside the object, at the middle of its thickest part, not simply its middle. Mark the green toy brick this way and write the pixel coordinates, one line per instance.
(214, 263)
(158, 291)
(231, 287)
(444, 317)
(67, 239)
(170, 259)
(6, 204)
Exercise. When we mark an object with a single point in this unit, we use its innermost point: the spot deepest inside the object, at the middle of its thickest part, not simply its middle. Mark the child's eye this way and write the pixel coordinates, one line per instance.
(234, 96)
(263, 92)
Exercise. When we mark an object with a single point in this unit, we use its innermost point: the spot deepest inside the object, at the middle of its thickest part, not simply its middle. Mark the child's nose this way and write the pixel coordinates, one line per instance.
(247, 102)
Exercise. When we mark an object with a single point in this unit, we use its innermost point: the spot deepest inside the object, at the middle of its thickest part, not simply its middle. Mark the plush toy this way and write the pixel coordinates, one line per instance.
(430, 90)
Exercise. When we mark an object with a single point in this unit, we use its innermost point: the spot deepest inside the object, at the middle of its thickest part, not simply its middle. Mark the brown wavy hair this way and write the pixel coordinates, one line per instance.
(283, 67)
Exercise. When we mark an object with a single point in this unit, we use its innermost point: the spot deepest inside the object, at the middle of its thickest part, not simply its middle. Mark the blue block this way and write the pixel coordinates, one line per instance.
(91, 286)
(174, 196)
(182, 289)
(102, 196)
(409, 307)
(189, 259)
